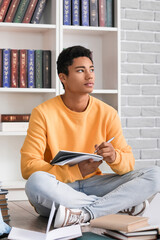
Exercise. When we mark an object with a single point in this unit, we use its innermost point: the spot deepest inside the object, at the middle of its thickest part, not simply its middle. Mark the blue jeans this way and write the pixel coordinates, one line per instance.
(99, 195)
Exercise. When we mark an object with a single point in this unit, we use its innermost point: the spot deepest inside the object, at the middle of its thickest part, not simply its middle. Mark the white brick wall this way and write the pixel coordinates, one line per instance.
(140, 78)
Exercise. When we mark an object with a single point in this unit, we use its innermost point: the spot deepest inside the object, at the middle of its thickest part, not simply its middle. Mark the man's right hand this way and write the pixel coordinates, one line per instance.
(88, 166)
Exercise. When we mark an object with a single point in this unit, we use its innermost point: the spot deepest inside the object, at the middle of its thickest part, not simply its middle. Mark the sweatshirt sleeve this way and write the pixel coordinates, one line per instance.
(34, 149)
(124, 157)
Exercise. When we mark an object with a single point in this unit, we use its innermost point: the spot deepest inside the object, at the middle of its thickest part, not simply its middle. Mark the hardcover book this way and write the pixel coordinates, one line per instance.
(14, 67)
(23, 5)
(14, 117)
(30, 10)
(31, 69)
(76, 12)
(109, 13)
(1, 67)
(6, 67)
(66, 12)
(72, 158)
(46, 70)
(3, 193)
(85, 12)
(102, 13)
(23, 69)
(3, 9)
(38, 11)
(12, 10)
(94, 13)
(38, 68)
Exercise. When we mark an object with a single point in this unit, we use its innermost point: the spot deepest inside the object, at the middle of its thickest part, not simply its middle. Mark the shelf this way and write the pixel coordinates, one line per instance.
(27, 90)
(105, 91)
(13, 133)
(13, 184)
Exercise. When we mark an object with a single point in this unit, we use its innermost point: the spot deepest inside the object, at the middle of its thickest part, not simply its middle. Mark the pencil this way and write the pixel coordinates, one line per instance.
(110, 140)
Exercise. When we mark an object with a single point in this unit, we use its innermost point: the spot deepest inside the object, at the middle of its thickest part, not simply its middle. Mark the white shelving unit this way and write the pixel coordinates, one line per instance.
(50, 34)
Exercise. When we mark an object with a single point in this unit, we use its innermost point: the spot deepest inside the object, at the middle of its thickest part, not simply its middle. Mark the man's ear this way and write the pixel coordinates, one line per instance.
(62, 78)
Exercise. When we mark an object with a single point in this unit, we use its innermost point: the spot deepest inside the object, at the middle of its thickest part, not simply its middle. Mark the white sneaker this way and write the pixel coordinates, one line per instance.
(66, 217)
(136, 210)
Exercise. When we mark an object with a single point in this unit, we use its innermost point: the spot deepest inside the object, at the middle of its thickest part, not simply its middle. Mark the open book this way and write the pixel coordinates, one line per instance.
(72, 158)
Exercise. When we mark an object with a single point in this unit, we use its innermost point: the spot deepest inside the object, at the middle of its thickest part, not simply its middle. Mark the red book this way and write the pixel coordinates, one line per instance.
(14, 68)
(30, 10)
(102, 13)
(14, 117)
(12, 10)
(1, 67)
(3, 9)
(23, 69)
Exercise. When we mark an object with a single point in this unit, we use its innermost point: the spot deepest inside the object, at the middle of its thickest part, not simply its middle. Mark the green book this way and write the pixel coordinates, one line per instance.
(23, 5)
(93, 236)
(38, 68)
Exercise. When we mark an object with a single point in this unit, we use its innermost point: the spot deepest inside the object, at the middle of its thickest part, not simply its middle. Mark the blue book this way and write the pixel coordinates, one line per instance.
(109, 13)
(66, 12)
(38, 11)
(31, 69)
(85, 12)
(6, 67)
(76, 12)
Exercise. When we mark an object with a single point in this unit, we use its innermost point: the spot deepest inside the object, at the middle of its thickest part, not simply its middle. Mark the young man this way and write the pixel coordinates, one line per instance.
(75, 121)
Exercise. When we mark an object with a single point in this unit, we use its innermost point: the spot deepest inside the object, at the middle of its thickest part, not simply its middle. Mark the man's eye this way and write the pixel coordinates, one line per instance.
(80, 70)
(92, 70)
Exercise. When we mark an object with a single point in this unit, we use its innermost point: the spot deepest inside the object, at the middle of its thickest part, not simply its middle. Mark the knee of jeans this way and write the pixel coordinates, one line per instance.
(155, 175)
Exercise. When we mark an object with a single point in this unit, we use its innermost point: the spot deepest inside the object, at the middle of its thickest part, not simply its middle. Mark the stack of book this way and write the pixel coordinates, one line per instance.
(88, 13)
(25, 68)
(22, 11)
(4, 205)
(14, 122)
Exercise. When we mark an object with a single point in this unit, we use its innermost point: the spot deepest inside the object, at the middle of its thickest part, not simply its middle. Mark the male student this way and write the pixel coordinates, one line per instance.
(76, 121)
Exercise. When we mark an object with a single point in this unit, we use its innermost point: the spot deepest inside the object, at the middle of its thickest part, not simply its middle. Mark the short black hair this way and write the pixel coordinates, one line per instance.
(67, 56)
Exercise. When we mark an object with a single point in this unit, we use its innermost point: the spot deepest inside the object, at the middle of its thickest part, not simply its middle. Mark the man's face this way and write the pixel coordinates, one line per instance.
(81, 76)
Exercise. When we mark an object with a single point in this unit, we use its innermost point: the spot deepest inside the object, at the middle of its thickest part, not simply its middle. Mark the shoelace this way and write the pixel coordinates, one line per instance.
(74, 218)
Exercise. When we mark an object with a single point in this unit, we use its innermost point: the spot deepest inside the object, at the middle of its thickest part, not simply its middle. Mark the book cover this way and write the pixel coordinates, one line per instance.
(46, 70)
(76, 12)
(23, 5)
(38, 68)
(12, 10)
(120, 222)
(31, 68)
(109, 13)
(14, 126)
(14, 117)
(3, 9)
(72, 158)
(1, 67)
(94, 13)
(30, 10)
(3, 193)
(85, 12)
(14, 67)
(102, 13)
(38, 11)
(93, 236)
(6, 67)
(23, 68)
(66, 12)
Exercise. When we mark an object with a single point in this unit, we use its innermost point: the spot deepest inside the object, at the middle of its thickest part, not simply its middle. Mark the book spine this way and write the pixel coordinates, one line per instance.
(31, 69)
(14, 126)
(6, 68)
(15, 117)
(12, 10)
(46, 61)
(85, 12)
(14, 67)
(21, 11)
(38, 11)
(38, 68)
(1, 2)
(30, 11)
(3, 9)
(76, 12)
(66, 12)
(1, 67)
(102, 13)
(23, 69)
(94, 13)
(109, 13)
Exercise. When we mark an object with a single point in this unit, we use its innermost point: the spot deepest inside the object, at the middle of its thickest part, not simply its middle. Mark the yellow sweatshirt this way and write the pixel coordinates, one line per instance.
(54, 127)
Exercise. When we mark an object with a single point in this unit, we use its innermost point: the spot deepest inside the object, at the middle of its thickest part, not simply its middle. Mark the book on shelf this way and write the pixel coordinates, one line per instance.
(30, 10)
(31, 68)
(14, 126)
(46, 69)
(12, 10)
(40, 7)
(109, 20)
(75, 12)
(14, 68)
(38, 68)
(3, 205)
(85, 12)
(3, 9)
(1, 68)
(23, 68)
(3, 201)
(94, 13)
(67, 12)
(14, 117)
(72, 158)
(102, 13)
(1, 2)
(22, 7)
(120, 222)
(6, 67)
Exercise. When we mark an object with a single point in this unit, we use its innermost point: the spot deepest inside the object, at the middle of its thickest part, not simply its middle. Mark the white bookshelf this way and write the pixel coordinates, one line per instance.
(50, 34)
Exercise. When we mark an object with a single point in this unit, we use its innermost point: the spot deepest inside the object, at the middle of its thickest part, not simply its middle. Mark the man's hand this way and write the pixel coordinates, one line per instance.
(107, 151)
(88, 166)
